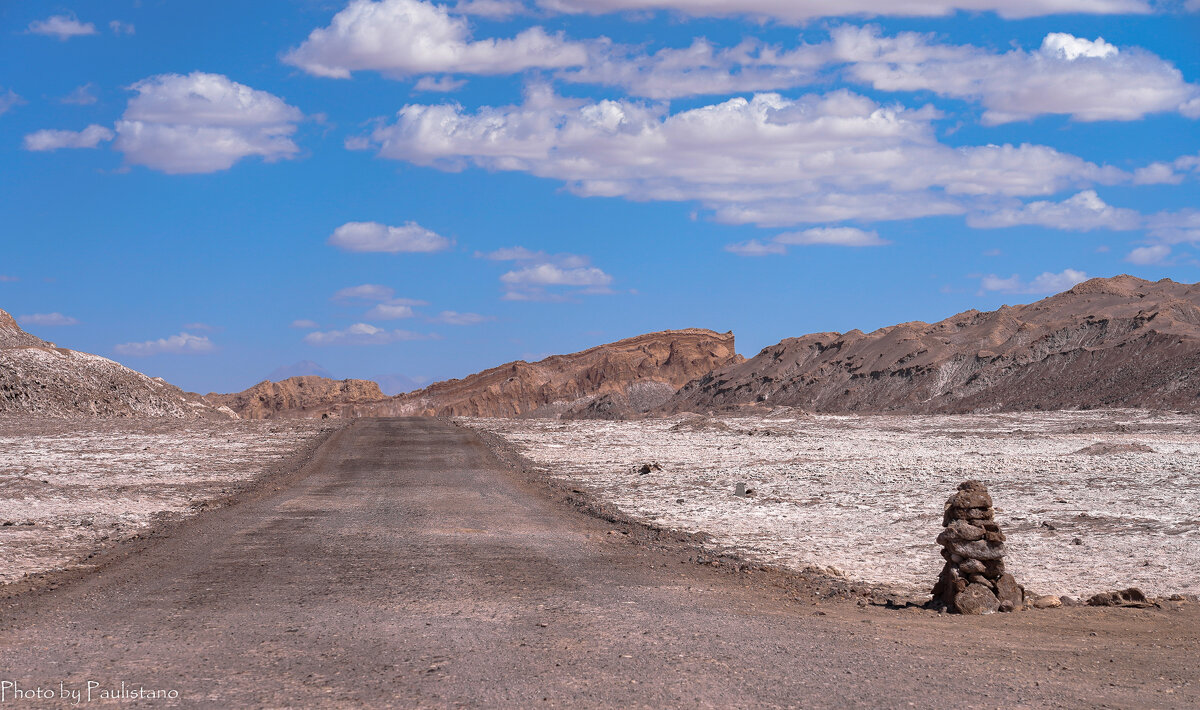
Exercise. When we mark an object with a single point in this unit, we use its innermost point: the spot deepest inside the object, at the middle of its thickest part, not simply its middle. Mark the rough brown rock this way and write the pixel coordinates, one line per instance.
(298, 397)
(1117, 342)
(628, 370)
(976, 599)
(973, 580)
(37, 377)
(1126, 597)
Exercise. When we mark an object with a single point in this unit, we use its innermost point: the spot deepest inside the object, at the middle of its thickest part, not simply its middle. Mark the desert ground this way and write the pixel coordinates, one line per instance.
(69, 487)
(1090, 501)
(404, 564)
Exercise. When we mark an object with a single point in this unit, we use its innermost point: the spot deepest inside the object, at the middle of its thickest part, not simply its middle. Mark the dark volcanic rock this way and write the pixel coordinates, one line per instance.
(1117, 342)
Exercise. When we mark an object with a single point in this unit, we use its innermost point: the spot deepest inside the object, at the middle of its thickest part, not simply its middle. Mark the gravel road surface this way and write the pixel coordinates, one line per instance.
(406, 566)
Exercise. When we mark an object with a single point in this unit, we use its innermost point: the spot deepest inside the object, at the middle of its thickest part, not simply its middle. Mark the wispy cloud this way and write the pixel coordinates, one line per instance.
(47, 319)
(364, 334)
(829, 236)
(181, 344)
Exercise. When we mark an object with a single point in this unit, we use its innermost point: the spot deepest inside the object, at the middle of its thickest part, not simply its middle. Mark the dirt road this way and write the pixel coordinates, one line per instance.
(409, 568)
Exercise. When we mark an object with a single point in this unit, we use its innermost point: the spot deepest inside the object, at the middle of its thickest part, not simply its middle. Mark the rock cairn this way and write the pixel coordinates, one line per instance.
(973, 580)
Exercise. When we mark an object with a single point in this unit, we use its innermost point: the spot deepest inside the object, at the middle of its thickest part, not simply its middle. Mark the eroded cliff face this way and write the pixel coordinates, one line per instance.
(298, 397)
(1117, 342)
(38, 378)
(637, 373)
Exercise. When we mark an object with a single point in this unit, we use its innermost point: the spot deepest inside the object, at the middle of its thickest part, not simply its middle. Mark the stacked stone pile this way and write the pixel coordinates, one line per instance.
(973, 580)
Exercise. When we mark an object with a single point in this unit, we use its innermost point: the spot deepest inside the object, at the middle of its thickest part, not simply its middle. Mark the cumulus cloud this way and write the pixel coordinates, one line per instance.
(46, 140)
(1082, 213)
(121, 28)
(363, 334)
(47, 319)
(8, 100)
(1148, 255)
(305, 323)
(376, 237)
(182, 344)
(402, 38)
(202, 123)
(62, 27)
(700, 69)
(797, 11)
(1089, 80)
(538, 270)
(1045, 283)
(768, 160)
(456, 318)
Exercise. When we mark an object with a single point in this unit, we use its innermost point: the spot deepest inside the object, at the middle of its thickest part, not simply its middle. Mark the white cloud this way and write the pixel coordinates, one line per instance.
(46, 139)
(797, 11)
(63, 27)
(700, 69)
(122, 28)
(755, 247)
(456, 318)
(521, 254)
(1083, 213)
(390, 311)
(552, 275)
(835, 236)
(769, 160)
(363, 334)
(441, 84)
(184, 343)
(8, 278)
(81, 96)
(1043, 284)
(402, 38)
(1148, 255)
(832, 236)
(202, 123)
(305, 323)
(47, 319)
(1089, 80)
(9, 99)
(376, 237)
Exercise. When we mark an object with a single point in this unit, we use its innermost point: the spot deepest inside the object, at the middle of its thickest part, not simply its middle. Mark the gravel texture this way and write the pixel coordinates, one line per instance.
(69, 486)
(1090, 501)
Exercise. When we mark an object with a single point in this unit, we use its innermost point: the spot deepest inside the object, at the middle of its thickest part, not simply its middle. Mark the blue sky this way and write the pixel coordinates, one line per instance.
(209, 191)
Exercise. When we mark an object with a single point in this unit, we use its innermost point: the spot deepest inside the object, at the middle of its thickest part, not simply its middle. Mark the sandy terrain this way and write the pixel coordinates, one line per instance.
(864, 494)
(67, 487)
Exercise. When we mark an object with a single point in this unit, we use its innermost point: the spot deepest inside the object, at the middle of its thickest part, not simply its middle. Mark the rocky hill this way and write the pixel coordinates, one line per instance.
(1117, 342)
(37, 377)
(620, 379)
(298, 397)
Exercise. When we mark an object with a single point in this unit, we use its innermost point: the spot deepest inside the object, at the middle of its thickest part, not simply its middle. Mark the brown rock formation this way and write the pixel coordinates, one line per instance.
(39, 378)
(298, 397)
(632, 375)
(973, 580)
(1117, 342)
